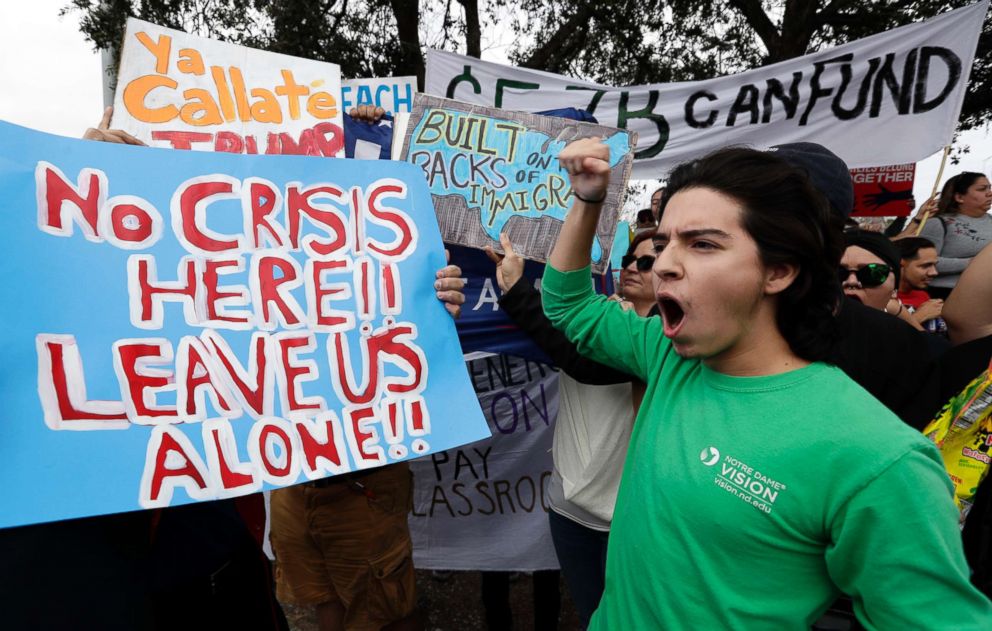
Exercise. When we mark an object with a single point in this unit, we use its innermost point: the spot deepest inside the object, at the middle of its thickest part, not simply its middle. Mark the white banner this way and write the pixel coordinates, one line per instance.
(186, 92)
(393, 94)
(891, 98)
(484, 506)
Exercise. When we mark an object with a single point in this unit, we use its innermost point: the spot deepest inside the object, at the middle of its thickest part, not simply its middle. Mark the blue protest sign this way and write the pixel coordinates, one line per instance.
(187, 326)
(494, 171)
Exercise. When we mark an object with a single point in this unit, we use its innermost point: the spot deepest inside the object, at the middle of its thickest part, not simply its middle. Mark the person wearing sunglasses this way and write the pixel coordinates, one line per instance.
(635, 274)
(869, 269)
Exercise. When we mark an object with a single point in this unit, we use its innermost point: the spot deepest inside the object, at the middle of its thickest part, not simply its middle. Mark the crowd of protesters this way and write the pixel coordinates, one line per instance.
(738, 444)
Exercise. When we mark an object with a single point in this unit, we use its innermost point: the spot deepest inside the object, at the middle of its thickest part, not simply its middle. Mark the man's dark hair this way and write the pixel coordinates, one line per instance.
(791, 222)
(957, 185)
(909, 247)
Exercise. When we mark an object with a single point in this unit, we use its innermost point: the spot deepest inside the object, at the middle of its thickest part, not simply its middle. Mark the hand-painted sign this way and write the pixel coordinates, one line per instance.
(189, 326)
(393, 94)
(492, 171)
(886, 99)
(484, 506)
(884, 191)
(177, 90)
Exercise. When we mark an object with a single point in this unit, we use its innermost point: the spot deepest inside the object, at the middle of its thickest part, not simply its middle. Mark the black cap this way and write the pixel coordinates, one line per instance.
(878, 244)
(827, 172)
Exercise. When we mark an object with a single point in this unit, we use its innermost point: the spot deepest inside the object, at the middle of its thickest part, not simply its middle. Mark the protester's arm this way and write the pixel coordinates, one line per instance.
(928, 311)
(928, 208)
(935, 232)
(896, 550)
(968, 310)
(601, 330)
(522, 303)
(588, 164)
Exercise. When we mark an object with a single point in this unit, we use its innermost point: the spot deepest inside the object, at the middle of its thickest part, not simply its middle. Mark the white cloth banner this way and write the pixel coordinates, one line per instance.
(484, 506)
(186, 92)
(891, 98)
(393, 94)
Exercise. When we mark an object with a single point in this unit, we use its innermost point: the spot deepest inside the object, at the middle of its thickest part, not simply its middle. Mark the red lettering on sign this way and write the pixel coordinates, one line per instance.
(189, 212)
(182, 139)
(215, 295)
(395, 220)
(299, 203)
(61, 374)
(169, 446)
(292, 371)
(57, 197)
(320, 440)
(140, 382)
(263, 200)
(270, 290)
(355, 417)
(253, 385)
(274, 432)
(148, 294)
(229, 478)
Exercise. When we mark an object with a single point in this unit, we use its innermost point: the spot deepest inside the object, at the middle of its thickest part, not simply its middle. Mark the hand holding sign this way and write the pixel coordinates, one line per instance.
(104, 133)
(588, 164)
(509, 265)
(450, 287)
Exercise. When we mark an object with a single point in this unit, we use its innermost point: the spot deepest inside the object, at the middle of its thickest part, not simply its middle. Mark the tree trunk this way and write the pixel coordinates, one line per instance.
(407, 13)
(473, 31)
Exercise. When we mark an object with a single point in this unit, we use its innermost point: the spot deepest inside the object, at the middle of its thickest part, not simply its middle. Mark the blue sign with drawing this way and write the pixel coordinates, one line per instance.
(493, 171)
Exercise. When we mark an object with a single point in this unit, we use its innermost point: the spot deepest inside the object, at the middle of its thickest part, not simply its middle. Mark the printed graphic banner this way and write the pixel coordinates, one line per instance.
(483, 326)
(884, 191)
(891, 98)
(186, 92)
(188, 326)
(484, 506)
(393, 94)
(494, 171)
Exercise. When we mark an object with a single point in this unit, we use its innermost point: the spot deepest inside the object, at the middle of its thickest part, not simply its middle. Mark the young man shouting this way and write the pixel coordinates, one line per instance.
(760, 482)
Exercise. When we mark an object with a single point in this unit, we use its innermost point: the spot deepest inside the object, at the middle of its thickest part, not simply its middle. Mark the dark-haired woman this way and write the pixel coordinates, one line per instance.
(760, 481)
(960, 229)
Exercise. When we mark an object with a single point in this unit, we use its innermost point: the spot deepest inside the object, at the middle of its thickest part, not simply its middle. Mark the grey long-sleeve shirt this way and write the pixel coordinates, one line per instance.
(963, 238)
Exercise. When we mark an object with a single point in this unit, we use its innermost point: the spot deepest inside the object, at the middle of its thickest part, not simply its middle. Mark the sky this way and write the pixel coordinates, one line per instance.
(51, 79)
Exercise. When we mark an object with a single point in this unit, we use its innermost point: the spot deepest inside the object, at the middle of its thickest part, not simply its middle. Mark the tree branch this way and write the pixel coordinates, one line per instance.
(758, 20)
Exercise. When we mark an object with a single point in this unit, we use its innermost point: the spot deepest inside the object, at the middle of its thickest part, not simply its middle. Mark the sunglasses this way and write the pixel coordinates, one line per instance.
(871, 275)
(644, 263)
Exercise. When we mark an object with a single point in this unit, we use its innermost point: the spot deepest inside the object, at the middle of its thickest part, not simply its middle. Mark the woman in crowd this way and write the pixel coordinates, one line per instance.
(960, 229)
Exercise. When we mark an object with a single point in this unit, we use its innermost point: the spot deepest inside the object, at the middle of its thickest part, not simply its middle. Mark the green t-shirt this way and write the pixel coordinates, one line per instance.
(752, 502)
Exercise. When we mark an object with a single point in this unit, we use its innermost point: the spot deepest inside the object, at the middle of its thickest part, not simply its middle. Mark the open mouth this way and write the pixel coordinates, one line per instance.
(850, 294)
(672, 313)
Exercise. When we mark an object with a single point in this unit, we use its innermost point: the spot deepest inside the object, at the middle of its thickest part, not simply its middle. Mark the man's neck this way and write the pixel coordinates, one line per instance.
(761, 352)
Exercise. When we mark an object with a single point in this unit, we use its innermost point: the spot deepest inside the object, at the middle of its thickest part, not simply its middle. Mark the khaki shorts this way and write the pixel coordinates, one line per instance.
(342, 543)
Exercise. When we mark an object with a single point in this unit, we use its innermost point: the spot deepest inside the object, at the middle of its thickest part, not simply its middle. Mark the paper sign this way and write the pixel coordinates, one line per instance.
(188, 326)
(186, 92)
(884, 191)
(484, 506)
(393, 94)
(492, 171)
(886, 99)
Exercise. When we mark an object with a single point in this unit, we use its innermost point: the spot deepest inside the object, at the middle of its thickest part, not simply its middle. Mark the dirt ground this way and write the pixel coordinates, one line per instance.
(453, 602)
